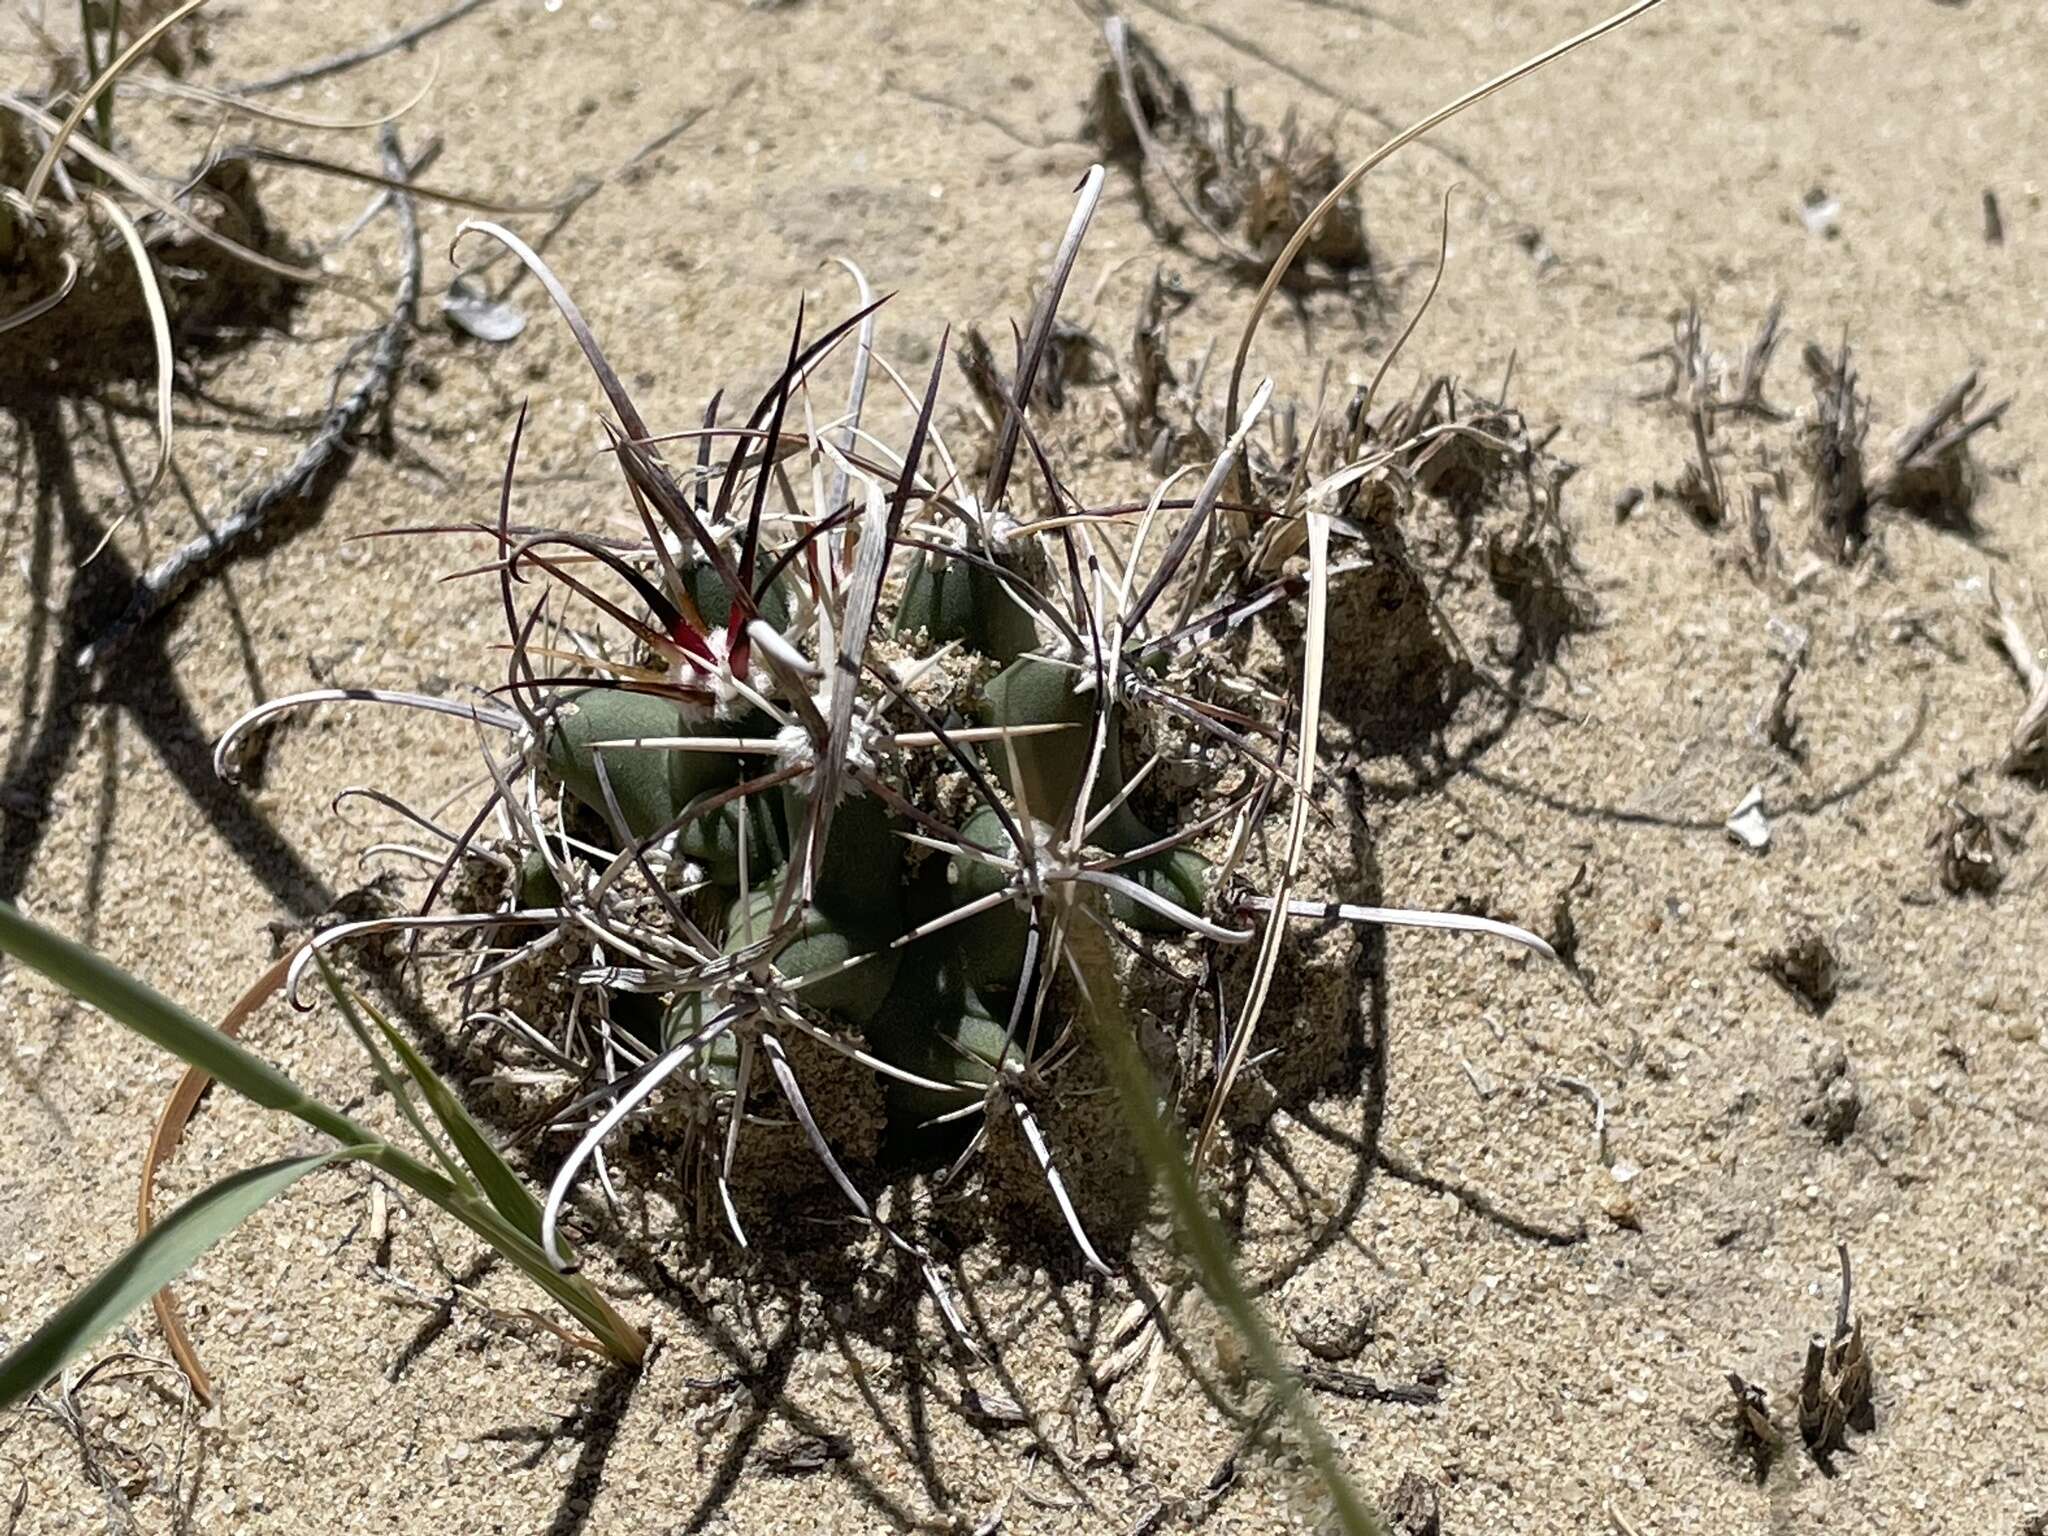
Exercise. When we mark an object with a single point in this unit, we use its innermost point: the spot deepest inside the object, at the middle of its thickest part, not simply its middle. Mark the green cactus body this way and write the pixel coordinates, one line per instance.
(1045, 771)
(992, 944)
(933, 1024)
(860, 878)
(708, 594)
(714, 840)
(819, 942)
(718, 1064)
(537, 885)
(937, 1008)
(960, 600)
(651, 786)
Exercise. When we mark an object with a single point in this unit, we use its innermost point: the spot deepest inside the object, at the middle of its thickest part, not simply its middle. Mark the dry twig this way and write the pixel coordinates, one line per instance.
(320, 69)
(1932, 473)
(2026, 753)
(169, 578)
(1840, 503)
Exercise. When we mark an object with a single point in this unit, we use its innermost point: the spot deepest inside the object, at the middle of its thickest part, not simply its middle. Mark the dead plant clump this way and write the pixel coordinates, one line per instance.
(1744, 448)
(1972, 848)
(1219, 185)
(1834, 1394)
(86, 268)
(102, 333)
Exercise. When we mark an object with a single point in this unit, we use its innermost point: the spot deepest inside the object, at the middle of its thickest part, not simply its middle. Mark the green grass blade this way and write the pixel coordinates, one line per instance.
(396, 1086)
(148, 1013)
(138, 1006)
(171, 1248)
(619, 1338)
(506, 1191)
(1202, 1236)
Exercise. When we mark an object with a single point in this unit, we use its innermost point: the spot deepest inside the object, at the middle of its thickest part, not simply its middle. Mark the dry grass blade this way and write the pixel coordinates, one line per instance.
(1408, 135)
(1317, 526)
(1090, 193)
(163, 1143)
(35, 309)
(1297, 825)
(227, 101)
(160, 333)
(168, 578)
(144, 41)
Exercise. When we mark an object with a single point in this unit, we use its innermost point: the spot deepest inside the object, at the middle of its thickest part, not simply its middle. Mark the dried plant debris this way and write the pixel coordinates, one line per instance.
(1933, 474)
(1836, 1103)
(1778, 724)
(1368, 1389)
(1471, 455)
(1211, 181)
(1465, 447)
(1839, 506)
(1807, 968)
(1150, 387)
(1412, 1507)
(1476, 458)
(1700, 380)
(2026, 753)
(1760, 559)
(1700, 387)
(1698, 490)
(1564, 922)
(1835, 1387)
(1971, 849)
(1755, 1435)
(1930, 473)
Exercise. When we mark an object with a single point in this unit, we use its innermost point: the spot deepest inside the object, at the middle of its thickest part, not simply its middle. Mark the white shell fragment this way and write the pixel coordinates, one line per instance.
(471, 312)
(1821, 214)
(1748, 825)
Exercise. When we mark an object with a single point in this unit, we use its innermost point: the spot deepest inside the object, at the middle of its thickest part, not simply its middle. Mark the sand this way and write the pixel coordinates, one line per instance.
(1580, 1384)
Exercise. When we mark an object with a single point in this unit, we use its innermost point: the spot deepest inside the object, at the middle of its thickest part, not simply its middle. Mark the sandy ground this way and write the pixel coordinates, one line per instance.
(1583, 1382)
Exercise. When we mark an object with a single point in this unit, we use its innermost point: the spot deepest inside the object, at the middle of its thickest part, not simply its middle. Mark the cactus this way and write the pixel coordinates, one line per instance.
(856, 772)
